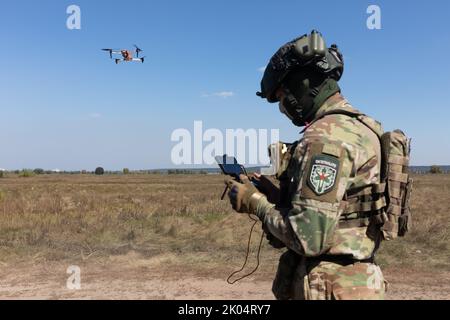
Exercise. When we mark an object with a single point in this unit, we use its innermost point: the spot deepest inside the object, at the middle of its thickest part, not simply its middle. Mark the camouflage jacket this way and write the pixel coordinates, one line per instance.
(338, 152)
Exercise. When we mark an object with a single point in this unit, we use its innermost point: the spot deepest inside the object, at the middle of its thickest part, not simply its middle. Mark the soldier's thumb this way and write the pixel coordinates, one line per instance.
(244, 179)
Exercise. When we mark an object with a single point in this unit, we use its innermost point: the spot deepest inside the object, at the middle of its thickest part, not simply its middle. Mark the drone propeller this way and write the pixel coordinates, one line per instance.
(137, 51)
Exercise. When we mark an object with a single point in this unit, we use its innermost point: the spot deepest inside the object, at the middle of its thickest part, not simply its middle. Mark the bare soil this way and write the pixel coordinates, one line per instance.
(170, 237)
(130, 278)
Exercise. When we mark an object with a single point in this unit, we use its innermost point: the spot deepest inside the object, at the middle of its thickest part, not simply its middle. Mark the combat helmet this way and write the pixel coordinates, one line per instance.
(307, 50)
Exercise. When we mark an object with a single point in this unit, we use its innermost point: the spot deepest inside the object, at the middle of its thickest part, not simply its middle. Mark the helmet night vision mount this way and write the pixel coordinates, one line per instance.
(307, 50)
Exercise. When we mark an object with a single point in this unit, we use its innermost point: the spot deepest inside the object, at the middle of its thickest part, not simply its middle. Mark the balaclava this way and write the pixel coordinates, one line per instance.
(305, 92)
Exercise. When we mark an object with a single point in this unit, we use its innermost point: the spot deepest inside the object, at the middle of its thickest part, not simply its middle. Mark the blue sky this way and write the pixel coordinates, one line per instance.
(65, 104)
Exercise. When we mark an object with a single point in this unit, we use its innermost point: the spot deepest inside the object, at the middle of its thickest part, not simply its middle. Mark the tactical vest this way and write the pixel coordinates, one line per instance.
(384, 205)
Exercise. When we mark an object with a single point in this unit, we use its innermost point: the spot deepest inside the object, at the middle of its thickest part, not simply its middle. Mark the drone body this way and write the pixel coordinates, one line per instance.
(127, 55)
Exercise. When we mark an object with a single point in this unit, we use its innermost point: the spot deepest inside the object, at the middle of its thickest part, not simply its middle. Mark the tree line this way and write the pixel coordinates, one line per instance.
(435, 169)
(98, 171)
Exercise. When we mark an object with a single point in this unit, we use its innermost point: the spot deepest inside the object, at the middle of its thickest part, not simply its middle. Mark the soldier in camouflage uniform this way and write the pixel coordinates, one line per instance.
(323, 212)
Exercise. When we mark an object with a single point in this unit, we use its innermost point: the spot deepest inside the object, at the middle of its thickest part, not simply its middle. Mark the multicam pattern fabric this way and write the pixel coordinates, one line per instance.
(331, 281)
(311, 226)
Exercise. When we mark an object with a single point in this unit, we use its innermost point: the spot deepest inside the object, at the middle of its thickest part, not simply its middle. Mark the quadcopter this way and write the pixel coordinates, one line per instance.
(127, 55)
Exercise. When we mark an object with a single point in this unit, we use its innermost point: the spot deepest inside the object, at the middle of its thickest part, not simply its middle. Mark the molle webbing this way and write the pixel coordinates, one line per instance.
(396, 150)
(365, 206)
(360, 205)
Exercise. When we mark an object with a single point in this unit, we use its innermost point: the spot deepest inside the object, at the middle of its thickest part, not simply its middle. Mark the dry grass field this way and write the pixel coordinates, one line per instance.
(170, 236)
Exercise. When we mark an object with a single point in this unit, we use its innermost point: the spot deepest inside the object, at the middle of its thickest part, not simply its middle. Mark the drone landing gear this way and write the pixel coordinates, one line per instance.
(139, 59)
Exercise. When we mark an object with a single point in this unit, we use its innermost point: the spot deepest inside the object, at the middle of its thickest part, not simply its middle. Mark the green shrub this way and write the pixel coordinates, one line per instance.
(2, 174)
(99, 171)
(126, 171)
(38, 171)
(26, 173)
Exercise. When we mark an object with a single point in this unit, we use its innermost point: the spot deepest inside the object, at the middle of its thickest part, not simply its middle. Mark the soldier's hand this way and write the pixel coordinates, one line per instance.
(267, 187)
(243, 196)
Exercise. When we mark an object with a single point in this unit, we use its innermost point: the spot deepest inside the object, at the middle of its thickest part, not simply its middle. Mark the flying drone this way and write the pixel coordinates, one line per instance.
(127, 55)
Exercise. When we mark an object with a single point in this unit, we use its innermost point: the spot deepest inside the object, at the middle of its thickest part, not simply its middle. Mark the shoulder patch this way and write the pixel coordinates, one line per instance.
(323, 173)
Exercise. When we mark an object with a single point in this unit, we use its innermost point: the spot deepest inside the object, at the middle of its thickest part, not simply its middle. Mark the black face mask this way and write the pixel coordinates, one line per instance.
(300, 89)
(292, 109)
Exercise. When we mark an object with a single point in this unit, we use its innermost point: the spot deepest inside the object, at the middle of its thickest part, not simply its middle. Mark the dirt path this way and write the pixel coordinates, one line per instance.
(101, 282)
(121, 281)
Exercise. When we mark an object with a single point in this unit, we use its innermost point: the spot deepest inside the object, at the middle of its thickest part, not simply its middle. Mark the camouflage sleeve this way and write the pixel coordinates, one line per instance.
(322, 179)
(276, 223)
(320, 172)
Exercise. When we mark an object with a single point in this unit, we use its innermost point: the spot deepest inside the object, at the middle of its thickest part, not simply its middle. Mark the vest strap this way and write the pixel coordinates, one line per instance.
(399, 177)
(368, 206)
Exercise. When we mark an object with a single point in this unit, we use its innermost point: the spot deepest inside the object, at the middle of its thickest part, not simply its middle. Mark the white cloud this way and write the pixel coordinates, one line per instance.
(1, 169)
(222, 94)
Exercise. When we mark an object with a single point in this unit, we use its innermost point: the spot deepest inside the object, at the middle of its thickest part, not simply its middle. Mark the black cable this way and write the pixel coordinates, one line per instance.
(247, 255)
